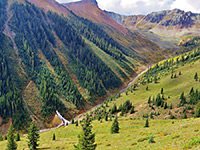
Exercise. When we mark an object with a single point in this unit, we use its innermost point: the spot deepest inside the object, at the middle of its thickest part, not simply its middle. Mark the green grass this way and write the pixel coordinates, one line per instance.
(167, 135)
(172, 88)
(109, 61)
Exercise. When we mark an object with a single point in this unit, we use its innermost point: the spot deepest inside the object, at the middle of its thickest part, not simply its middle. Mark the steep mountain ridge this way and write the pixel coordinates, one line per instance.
(169, 22)
(62, 69)
(137, 44)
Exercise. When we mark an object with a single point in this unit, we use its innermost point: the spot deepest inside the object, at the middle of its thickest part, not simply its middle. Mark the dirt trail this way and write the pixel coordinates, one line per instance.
(11, 34)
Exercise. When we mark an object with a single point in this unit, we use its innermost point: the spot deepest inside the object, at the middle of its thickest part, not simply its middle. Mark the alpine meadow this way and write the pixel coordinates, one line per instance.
(74, 76)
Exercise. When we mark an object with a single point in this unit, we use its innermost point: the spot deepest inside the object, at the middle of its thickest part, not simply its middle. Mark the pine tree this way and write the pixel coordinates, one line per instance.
(86, 138)
(1, 138)
(33, 136)
(180, 73)
(11, 145)
(147, 88)
(171, 106)
(115, 126)
(54, 137)
(183, 99)
(196, 76)
(5, 137)
(72, 120)
(165, 105)
(132, 110)
(172, 76)
(146, 124)
(161, 91)
(185, 116)
(106, 117)
(18, 137)
(76, 122)
(151, 140)
(197, 113)
(149, 100)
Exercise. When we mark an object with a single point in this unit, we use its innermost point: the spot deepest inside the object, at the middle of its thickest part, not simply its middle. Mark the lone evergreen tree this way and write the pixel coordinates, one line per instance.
(115, 126)
(11, 145)
(161, 91)
(86, 138)
(196, 76)
(76, 122)
(33, 136)
(146, 124)
(18, 137)
(54, 137)
(151, 140)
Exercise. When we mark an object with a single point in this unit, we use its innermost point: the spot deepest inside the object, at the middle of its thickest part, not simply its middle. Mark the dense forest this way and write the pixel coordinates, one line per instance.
(38, 33)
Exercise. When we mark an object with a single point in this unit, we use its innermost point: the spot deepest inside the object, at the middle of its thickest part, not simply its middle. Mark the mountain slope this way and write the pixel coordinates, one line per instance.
(137, 44)
(174, 23)
(60, 63)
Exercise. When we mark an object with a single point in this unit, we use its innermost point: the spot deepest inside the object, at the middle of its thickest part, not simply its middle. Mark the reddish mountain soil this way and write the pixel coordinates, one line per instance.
(51, 5)
(95, 14)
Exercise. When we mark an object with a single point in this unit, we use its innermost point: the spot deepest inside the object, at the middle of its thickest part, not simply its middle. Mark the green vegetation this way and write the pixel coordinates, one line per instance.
(17, 137)
(33, 136)
(166, 134)
(115, 126)
(54, 137)
(86, 138)
(11, 145)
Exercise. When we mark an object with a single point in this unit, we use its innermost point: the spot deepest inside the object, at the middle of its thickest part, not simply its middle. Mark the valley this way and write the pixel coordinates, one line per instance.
(64, 63)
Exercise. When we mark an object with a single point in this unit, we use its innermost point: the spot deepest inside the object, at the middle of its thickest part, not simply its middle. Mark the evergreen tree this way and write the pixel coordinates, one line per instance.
(132, 110)
(197, 113)
(146, 124)
(175, 76)
(151, 140)
(76, 122)
(115, 126)
(172, 76)
(149, 100)
(11, 145)
(180, 73)
(165, 105)
(72, 120)
(86, 138)
(147, 88)
(171, 106)
(161, 91)
(18, 137)
(33, 136)
(54, 137)
(155, 79)
(1, 138)
(183, 99)
(106, 117)
(185, 115)
(196, 76)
